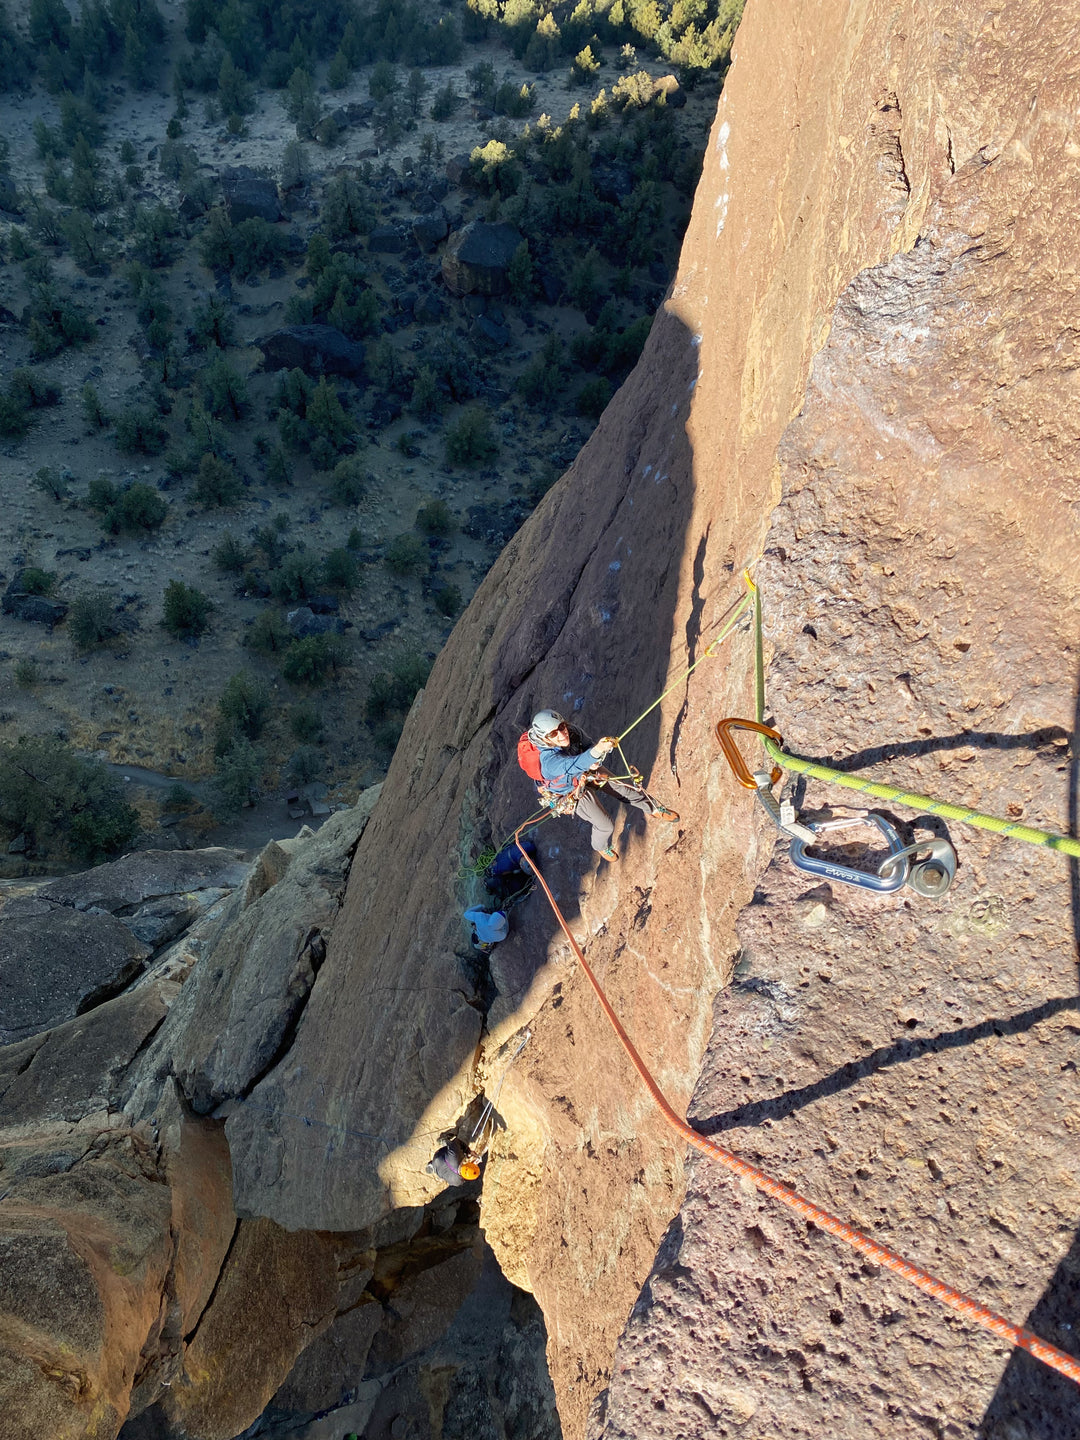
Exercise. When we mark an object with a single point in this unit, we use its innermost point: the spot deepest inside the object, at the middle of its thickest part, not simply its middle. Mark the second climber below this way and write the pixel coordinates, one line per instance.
(571, 776)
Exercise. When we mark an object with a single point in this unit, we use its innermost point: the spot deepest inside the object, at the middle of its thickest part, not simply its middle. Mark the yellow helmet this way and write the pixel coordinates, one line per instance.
(469, 1170)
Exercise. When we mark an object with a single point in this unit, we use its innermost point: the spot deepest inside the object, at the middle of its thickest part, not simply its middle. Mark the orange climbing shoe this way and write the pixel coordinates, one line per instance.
(608, 853)
(663, 813)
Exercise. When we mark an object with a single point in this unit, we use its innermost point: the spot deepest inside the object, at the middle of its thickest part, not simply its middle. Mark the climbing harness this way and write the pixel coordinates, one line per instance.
(738, 610)
(955, 1299)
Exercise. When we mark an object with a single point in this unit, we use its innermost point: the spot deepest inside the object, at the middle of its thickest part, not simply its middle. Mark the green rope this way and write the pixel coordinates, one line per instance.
(878, 791)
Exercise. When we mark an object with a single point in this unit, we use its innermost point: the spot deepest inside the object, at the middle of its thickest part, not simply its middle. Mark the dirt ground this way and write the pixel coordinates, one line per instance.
(151, 700)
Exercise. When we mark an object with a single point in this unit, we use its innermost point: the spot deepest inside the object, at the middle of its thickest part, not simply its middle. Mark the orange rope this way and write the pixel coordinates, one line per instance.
(946, 1294)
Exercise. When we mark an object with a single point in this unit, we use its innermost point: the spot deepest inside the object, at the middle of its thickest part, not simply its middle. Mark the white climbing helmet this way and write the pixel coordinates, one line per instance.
(544, 723)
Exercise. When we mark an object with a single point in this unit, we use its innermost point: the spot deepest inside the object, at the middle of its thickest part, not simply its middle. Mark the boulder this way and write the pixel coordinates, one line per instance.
(457, 169)
(315, 349)
(249, 196)
(488, 334)
(56, 963)
(477, 257)
(37, 608)
(124, 885)
(673, 93)
(304, 622)
(431, 229)
(389, 240)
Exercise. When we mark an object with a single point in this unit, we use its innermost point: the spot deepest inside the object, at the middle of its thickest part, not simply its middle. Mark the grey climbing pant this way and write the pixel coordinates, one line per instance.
(593, 813)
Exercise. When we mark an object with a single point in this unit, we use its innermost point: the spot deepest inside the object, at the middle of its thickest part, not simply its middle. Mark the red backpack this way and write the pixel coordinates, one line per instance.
(529, 758)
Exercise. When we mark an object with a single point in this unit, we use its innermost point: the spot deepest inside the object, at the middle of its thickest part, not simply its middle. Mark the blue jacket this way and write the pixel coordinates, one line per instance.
(560, 768)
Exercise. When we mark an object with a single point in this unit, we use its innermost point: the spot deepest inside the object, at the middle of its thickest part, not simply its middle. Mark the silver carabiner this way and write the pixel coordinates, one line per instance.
(892, 874)
(931, 875)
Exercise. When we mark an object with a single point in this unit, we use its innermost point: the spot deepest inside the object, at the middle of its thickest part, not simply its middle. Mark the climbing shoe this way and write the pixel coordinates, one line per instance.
(663, 813)
(608, 853)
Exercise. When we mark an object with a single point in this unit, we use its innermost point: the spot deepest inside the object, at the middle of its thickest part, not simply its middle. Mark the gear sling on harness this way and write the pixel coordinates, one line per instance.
(529, 759)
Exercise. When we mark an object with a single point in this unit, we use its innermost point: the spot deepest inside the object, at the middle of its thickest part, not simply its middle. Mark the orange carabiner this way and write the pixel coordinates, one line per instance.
(733, 755)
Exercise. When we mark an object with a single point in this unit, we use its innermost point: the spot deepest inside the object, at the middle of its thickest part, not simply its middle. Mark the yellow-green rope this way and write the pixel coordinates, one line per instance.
(1065, 843)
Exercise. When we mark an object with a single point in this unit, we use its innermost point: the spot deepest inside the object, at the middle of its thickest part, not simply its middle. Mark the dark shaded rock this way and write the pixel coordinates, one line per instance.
(477, 257)
(550, 287)
(428, 309)
(316, 349)
(305, 622)
(37, 608)
(457, 169)
(495, 524)
(324, 605)
(431, 230)
(191, 207)
(56, 963)
(488, 334)
(249, 196)
(389, 240)
(613, 183)
(358, 112)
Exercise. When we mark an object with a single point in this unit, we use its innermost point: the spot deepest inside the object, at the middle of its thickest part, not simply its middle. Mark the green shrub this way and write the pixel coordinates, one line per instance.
(340, 571)
(140, 432)
(593, 397)
(214, 324)
(237, 772)
(136, 507)
(229, 555)
(35, 581)
(407, 555)
(94, 412)
(91, 620)
(472, 439)
(269, 635)
(305, 765)
(179, 797)
(348, 208)
(27, 674)
(57, 799)
(314, 659)
(446, 102)
(217, 484)
(447, 600)
(390, 695)
(299, 576)
(306, 722)
(242, 711)
(348, 483)
(223, 390)
(185, 611)
(50, 482)
(427, 400)
(435, 518)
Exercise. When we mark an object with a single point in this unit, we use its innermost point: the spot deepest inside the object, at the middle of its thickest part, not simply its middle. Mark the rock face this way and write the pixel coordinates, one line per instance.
(889, 205)
(315, 349)
(476, 258)
(863, 375)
